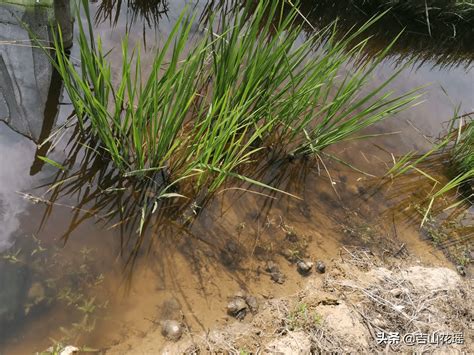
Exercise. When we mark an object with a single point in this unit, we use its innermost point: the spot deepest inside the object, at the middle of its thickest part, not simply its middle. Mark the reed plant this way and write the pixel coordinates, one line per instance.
(210, 106)
(455, 151)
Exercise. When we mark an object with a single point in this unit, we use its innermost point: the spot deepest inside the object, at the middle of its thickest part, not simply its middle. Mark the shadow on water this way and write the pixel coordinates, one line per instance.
(130, 204)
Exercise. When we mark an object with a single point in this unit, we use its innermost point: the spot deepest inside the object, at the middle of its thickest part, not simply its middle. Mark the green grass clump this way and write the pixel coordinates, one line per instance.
(455, 152)
(435, 32)
(211, 106)
(463, 151)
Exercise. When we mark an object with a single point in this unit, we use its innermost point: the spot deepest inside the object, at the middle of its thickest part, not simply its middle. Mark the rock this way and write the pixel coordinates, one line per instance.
(275, 274)
(172, 330)
(237, 307)
(304, 266)
(252, 303)
(69, 350)
(396, 292)
(461, 270)
(278, 277)
(321, 267)
(60, 350)
(272, 267)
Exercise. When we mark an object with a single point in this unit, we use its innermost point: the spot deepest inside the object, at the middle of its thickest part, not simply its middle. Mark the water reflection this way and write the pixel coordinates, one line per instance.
(25, 72)
(14, 177)
(445, 40)
(449, 42)
(150, 11)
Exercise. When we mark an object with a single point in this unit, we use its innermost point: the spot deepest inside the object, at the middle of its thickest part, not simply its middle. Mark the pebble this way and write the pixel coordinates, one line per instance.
(396, 292)
(461, 270)
(237, 307)
(272, 267)
(275, 274)
(252, 303)
(172, 330)
(278, 277)
(321, 267)
(304, 266)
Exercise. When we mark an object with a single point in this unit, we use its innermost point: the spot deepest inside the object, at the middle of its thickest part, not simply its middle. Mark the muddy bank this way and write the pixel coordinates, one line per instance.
(350, 308)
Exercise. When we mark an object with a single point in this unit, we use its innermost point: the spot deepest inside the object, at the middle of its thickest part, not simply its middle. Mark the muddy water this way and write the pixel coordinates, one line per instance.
(84, 292)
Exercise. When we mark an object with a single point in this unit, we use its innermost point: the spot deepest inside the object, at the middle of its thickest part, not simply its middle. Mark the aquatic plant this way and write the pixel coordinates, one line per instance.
(435, 31)
(462, 157)
(211, 106)
(454, 154)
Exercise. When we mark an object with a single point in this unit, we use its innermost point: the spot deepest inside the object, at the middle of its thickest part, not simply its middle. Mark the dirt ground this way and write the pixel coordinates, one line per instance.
(363, 303)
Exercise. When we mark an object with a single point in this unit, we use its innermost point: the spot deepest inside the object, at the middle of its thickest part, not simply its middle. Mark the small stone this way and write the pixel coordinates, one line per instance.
(321, 267)
(69, 350)
(275, 273)
(396, 292)
(237, 307)
(252, 303)
(172, 330)
(272, 267)
(304, 266)
(461, 270)
(278, 277)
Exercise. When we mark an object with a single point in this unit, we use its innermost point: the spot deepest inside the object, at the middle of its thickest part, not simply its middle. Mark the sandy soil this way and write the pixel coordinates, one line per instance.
(361, 296)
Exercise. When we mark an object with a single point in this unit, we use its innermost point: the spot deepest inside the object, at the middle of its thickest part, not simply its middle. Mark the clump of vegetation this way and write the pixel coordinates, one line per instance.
(208, 108)
(462, 156)
(301, 317)
(435, 31)
(454, 154)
